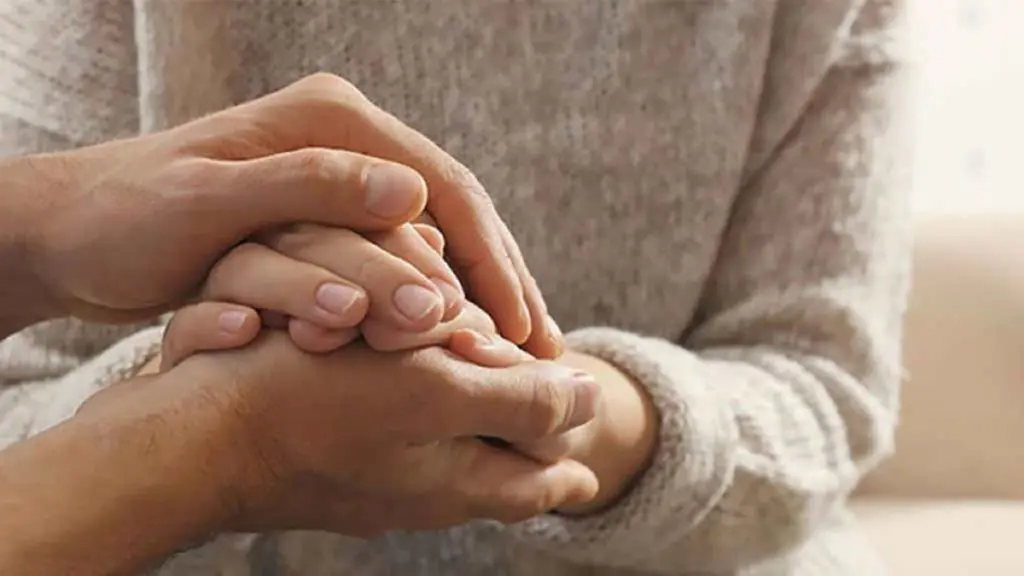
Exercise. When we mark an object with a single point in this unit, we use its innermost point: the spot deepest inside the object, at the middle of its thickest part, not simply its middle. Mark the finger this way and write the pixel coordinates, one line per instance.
(260, 277)
(406, 243)
(206, 327)
(501, 485)
(525, 402)
(398, 292)
(545, 340)
(491, 281)
(312, 338)
(486, 350)
(384, 337)
(432, 236)
(324, 110)
(320, 185)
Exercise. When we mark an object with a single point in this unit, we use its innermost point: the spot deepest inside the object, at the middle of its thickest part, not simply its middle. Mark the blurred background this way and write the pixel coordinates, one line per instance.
(951, 501)
(970, 119)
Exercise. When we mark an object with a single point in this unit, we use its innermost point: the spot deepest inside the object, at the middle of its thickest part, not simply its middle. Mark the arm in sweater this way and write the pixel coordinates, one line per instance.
(785, 392)
(70, 79)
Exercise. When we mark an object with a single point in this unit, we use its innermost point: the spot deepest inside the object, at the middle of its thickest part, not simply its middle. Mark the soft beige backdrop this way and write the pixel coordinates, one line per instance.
(969, 154)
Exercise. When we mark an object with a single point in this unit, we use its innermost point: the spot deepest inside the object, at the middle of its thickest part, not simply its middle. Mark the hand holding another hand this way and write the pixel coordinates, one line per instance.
(125, 230)
(360, 442)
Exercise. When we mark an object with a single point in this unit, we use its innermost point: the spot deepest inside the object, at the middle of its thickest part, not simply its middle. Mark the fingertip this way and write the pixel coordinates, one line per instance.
(339, 305)
(452, 310)
(544, 346)
(432, 236)
(579, 484)
(207, 326)
(510, 487)
(395, 193)
(553, 337)
(452, 296)
(515, 327)
(463, 340)
(238, 323)
(418, 308)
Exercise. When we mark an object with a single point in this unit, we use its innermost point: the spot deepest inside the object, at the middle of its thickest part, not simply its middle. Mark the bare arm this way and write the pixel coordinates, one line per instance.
(109, 493)
(25, 184)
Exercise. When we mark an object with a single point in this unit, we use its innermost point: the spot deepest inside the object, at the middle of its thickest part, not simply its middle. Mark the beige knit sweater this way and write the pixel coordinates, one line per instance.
(711, 194)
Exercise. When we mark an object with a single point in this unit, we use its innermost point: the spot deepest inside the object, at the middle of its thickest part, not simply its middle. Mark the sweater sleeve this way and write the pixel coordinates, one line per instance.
(784, 392)
(48, 371)
(69, 74)
(69, 79)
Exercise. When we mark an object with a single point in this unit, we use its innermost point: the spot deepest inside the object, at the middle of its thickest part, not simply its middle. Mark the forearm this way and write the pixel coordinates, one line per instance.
(27, 185)
(105, 493)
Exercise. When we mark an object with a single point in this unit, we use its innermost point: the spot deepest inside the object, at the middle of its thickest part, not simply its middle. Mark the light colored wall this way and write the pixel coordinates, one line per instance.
(970, 117)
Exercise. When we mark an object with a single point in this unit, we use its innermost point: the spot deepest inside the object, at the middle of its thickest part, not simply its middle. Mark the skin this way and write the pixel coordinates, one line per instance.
(617, 445)
(82, 238)
(221, 441)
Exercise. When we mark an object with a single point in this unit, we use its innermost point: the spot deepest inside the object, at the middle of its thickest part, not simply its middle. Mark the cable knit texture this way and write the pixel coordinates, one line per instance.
(711, 193)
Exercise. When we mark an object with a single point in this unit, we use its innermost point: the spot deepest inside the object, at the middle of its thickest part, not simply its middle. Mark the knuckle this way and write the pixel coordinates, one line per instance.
(332, 90)
(315, 165)
(463, 179)
(546, 408)
(321, 82)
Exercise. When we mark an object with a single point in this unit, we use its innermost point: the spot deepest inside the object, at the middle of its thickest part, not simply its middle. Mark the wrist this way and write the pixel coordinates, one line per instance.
(620, 443)
(29, 186)
(114, 489)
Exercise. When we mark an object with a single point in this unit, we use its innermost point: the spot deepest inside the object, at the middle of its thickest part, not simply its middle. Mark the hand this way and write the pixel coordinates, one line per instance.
(388, 447)
(287, 286)
(320, 283)
(217, 326)
(617, 444)
(323, 282)
(124, 230)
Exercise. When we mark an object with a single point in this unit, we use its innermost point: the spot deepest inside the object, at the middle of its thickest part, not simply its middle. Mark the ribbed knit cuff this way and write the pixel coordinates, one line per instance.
(687, 475)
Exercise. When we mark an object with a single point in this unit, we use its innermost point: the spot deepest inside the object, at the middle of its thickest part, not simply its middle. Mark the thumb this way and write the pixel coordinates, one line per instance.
(525, 402)
(321, 186)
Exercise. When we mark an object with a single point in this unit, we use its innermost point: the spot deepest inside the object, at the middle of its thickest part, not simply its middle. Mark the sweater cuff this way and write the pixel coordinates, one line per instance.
(60, 399)
(687, 475)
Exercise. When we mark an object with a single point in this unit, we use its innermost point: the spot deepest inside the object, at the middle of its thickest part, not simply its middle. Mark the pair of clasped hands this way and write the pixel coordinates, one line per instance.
(324, 364)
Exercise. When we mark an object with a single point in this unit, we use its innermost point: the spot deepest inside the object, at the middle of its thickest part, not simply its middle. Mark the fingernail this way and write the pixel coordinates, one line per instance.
(336, 298)
(231, 321)
(414, 302)
(586, 394)
(392, 190)
(451, 294)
